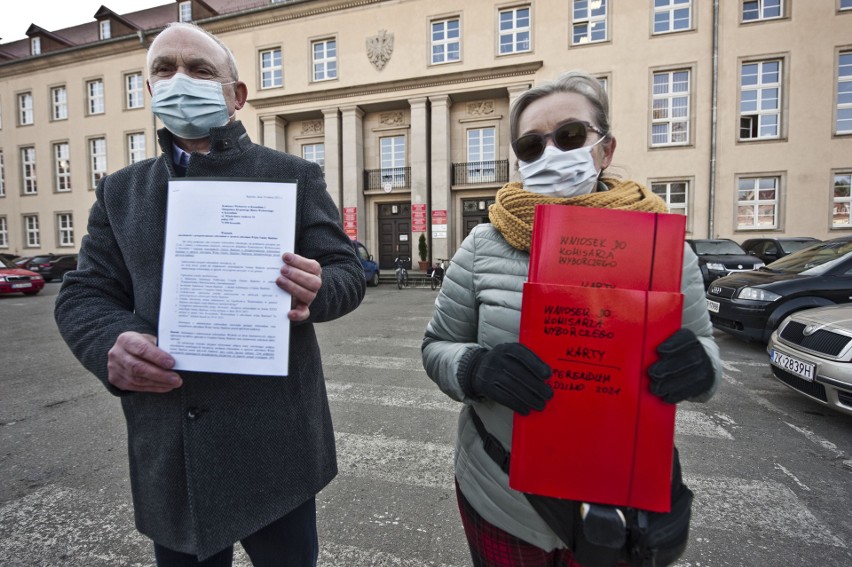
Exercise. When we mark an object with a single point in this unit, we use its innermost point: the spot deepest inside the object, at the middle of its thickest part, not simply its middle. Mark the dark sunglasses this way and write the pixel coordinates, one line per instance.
(568, 136)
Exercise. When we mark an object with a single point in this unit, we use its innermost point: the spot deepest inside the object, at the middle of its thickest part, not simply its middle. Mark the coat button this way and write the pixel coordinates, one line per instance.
(192, 413)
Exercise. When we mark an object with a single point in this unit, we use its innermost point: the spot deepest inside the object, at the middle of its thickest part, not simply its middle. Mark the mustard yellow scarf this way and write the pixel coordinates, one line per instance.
(512, 213)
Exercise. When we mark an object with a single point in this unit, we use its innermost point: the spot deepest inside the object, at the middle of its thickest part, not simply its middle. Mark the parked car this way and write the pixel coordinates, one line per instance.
(22, 261)
(371, 268)
(51, 266)
(17, 280)
(771, 249)
(9, 257)
(718, 257)
(750, 305)
(811, 352)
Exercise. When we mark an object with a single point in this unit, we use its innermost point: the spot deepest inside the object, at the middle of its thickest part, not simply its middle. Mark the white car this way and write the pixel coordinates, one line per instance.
(811, 352)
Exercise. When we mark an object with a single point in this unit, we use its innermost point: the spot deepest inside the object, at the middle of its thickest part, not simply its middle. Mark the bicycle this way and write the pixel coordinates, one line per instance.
(401, 272)
(436, 274)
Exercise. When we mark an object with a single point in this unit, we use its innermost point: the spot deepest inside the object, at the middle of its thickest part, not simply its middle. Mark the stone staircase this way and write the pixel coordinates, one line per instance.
(415, 278)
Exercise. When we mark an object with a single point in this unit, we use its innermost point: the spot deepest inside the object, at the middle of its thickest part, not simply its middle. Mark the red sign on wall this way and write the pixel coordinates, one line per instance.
(350, 222)
(418, 217)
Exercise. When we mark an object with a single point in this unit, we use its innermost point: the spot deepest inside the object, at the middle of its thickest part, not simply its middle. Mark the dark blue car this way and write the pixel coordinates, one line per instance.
(371, 268)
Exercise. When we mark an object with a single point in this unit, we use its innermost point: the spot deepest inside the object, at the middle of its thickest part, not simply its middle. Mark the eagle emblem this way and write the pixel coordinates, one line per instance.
(380, 49)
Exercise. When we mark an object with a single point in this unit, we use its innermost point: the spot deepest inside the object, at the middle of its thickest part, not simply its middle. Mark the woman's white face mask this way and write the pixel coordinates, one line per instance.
(561, 174)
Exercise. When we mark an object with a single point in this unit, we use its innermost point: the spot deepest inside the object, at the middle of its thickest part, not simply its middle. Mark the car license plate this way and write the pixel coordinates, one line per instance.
(21, 285)
(793, 365)
(712, 306)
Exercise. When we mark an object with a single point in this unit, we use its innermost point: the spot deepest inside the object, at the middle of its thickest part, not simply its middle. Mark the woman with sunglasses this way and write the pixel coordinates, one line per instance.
(561, 135)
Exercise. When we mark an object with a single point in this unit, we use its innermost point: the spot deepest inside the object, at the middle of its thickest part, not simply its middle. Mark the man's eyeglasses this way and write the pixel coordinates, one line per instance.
(568, 136)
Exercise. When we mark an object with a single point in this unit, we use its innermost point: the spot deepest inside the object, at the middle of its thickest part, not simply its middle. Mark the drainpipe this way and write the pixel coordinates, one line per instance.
(713, 120)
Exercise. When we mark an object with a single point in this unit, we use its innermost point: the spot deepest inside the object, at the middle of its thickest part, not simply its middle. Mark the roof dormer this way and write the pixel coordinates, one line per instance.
(43, 41)
(112, 25)
(192, 10)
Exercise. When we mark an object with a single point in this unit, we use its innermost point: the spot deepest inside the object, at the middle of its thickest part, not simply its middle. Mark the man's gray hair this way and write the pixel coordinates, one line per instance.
(232, 62)
(578, 82)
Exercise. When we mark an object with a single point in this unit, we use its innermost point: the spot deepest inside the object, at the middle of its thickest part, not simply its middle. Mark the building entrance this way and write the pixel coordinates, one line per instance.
(394, 233)
(474, 212)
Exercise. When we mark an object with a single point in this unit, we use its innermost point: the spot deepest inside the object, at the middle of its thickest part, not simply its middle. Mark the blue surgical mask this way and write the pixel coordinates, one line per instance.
(189, 107)
(561, 174)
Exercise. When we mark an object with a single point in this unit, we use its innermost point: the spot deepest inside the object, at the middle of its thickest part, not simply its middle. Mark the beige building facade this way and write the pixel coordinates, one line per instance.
(737, 112)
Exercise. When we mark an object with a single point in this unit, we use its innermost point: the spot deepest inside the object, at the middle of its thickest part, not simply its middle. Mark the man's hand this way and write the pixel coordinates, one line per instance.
(137, 365)
(300, 277)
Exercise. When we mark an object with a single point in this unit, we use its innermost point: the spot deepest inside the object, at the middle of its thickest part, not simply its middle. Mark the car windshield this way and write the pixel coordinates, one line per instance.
(790, 246)
(7, 263)
(41, 260)
(814, 260)
(703, 247)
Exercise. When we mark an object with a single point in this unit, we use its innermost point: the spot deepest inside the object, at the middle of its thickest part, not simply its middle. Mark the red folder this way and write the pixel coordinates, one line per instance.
(603, 292)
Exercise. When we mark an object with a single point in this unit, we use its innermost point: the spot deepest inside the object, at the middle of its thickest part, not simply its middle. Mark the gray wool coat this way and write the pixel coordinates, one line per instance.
(224, 455)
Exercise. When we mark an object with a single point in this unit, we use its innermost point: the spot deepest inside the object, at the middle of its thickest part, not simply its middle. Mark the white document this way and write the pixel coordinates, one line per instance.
(220, 309)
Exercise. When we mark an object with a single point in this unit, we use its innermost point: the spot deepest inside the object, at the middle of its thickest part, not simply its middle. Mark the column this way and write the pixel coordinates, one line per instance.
(514, 92)
(419, 162)
(274, 132)
(352, 170)
(442, 170)
(331, 130)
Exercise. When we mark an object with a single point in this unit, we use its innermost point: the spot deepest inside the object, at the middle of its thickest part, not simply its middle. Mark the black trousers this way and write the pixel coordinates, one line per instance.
(288, 542)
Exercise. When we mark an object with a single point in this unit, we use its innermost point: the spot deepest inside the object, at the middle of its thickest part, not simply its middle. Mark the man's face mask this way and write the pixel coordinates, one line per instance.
(189, 107)
(561, 174)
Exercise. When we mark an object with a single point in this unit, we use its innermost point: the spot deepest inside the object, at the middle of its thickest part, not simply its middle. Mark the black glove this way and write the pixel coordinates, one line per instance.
(684, 370)
(510, 374)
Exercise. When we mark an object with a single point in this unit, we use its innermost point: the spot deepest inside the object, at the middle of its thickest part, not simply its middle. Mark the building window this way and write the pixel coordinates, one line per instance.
(95, 94)
(481, 155)
(97, 160)
(28, 170)
(4, 233)
(25, 109)
(135, 147)
(105, 29)
(846, 4)
(393, 160)
(843, 124)
(2, 176)
(756, 10)
(842, 201)
(35, 46)
(325, 59)
(65, 229)
(134, 90)
(62, 166)
(314, 153)
(185, 12)
(589, 21)
(270, 68)
(760, 100)
(672, 15)
(757, 202)
(670, 115)
(31, 236)
(59, 103)
(446, 41)
(515, 30)
(675, 194)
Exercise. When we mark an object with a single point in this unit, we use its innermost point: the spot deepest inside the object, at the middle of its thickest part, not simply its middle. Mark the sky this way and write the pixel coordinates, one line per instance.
(57, 14)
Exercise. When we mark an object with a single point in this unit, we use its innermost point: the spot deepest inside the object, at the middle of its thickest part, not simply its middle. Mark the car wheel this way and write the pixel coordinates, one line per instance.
(374, 281)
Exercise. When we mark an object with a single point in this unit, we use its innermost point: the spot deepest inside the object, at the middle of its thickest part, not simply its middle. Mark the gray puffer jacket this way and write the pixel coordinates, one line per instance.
(480, 306)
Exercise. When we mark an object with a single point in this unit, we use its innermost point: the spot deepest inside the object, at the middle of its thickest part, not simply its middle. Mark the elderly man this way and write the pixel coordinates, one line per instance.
(214, 458)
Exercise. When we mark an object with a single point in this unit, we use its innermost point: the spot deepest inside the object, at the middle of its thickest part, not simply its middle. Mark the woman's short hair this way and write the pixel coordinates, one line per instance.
(578, 82)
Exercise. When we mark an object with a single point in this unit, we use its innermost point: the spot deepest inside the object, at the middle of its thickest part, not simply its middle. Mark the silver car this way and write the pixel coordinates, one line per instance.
(811, 352)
